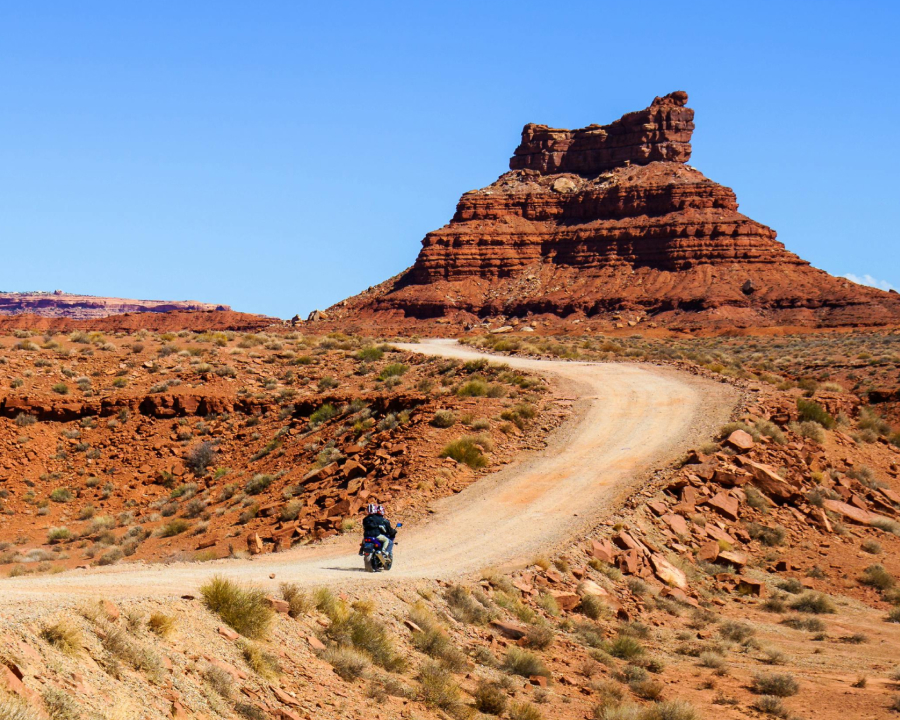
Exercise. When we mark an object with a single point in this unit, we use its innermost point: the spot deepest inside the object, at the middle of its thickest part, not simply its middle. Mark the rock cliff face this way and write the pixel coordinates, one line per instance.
(83, 307)
(609, 222)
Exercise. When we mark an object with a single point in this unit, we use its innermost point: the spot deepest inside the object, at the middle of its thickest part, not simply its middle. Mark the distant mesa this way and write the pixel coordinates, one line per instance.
(60, 312)
(82, 307)
(608, 224)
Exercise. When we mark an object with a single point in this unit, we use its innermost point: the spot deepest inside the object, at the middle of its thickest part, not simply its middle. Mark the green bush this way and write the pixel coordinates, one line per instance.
(392, 370)
(814, 603)
(370, 354)
(812, 411)
(323, 414)
(468, 450)
(476, 387)
(443, 419)
(258, 483)
(524, 663)
(61, 495)
(776, 684)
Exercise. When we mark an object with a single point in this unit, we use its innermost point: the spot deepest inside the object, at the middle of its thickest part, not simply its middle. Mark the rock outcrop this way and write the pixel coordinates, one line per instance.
(609, 222)
(83, 307)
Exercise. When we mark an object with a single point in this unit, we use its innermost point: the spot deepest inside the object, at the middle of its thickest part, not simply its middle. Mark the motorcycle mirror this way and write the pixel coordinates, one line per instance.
(399, 524)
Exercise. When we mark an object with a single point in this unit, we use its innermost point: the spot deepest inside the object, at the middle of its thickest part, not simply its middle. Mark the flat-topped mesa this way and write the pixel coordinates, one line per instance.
(659, 132)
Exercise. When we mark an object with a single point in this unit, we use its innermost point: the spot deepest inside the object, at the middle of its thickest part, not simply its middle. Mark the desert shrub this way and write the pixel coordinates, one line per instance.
(777, 684)
(877, 576)
(893, 615)
(810, 410)
(490, 698)
(540, 636)
(258, 483)
(464, 607)
(756, 499)
(808, 624)
(476, 387)
(59, 704)
(61, 495)
(712, 660)
(736, 631)
(365, 633)
(199, 457)
(524, 663)
(592, 606)
(370, 354)
(24, 419)
(58, 534)
(111, 557)
(670, 710)
(624, 647)
(809, 430)
(323, 414)
(219, 680)
(468, 450)
(770, 429)
(348, 663)
(524, 711)
(443, 419)
(770, 536)
(549, 604)
(243, 608)
(392, 370)
(263, 663)
(298, 601)
(64, 636)
(173, 528)
(117, 642)
(161, 624)
(437, 687)
(873, 547)
(61, 388)
(814, 603)
(519, 415)
(770, 705)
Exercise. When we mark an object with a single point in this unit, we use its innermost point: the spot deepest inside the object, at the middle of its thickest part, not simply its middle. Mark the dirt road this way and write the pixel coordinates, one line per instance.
(628, 419)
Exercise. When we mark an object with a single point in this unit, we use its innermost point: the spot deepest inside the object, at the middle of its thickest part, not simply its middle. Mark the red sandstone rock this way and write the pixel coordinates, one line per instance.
(608, 219)
(740, 441)
(725, 505)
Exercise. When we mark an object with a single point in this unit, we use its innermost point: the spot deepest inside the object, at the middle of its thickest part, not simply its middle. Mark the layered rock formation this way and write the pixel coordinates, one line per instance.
(608, 222)
(82, 307)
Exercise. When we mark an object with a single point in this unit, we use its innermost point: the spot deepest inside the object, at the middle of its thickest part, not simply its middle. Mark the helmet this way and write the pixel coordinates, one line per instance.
(380, 510)
(372, 509)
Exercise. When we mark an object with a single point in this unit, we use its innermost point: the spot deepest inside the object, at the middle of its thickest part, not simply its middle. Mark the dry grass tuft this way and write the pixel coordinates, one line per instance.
(437, 687)
(347, 662)
(263, 663)
(490, 698)
(299, 601)
(243, 608)
(161, 624)
(64, 636)
(524, 663)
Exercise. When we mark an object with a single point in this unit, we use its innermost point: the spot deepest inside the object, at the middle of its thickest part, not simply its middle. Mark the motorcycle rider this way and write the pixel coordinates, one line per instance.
(376, 525)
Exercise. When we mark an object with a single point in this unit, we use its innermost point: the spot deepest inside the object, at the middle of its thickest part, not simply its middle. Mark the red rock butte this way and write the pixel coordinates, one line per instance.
(606, 222)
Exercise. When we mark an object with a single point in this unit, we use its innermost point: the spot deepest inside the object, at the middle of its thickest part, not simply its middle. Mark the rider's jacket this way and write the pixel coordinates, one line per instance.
(375, 525)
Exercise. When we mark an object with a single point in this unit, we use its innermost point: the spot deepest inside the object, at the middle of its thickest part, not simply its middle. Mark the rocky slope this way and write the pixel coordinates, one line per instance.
(60, 304)
(610, 224)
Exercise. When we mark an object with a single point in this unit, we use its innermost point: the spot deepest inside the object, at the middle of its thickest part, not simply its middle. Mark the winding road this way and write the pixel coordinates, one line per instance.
(628, 419)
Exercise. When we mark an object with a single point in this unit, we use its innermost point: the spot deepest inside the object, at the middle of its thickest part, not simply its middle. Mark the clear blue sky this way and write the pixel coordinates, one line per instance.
(280, 156)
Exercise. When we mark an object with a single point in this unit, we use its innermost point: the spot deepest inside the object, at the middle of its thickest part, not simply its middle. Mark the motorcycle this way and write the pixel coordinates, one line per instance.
(374, 559)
